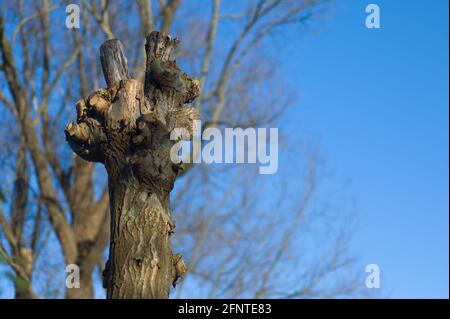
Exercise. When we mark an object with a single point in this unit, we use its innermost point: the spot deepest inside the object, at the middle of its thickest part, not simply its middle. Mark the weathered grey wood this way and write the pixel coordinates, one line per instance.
(114, 61)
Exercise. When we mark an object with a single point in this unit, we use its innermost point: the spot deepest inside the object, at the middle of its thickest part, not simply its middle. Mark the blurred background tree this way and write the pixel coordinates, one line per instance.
(244, 235)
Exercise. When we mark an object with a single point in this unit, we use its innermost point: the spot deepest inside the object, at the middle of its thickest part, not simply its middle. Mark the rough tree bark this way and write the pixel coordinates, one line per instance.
(127, 128)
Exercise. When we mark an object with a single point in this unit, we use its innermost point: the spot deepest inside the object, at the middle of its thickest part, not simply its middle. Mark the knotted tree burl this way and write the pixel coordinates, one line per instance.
(127, 127)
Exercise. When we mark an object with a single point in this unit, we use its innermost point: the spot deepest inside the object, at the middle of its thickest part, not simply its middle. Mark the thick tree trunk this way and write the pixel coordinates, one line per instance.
(128, 129)
(140, 263)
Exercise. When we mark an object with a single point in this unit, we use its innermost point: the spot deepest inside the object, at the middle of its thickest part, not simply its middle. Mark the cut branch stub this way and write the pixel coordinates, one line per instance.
(114, 61)
(163, 75)
(128, 129)
(159, 46)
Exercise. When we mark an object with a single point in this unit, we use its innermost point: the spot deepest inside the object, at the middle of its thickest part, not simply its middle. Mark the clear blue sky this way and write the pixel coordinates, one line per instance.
(378, 99)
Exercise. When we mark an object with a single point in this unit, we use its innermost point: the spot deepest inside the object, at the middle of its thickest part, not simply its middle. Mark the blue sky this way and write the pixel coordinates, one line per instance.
(378, 100)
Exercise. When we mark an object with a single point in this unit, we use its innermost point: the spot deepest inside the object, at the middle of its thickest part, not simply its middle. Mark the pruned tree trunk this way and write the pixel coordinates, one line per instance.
(127, 127)
(140, 264)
